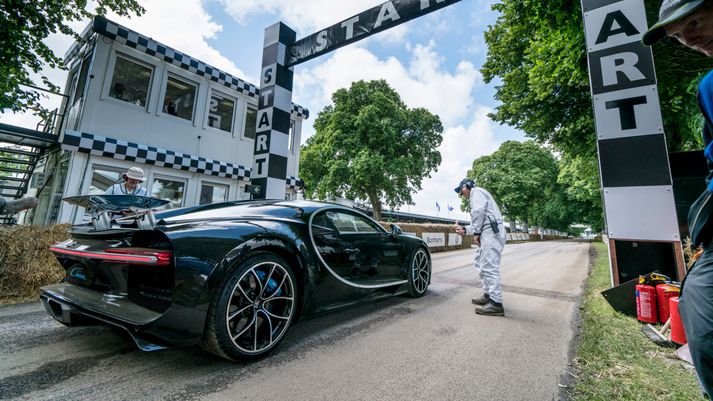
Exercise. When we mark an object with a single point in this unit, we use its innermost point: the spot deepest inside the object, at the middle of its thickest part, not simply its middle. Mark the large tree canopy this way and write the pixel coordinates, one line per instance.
(531, 186)
(537, 57)
(368, 145)
(536, 52)
(25, 25)
(519, 175)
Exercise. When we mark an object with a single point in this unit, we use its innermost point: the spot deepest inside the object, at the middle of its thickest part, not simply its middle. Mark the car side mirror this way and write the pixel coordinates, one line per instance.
(395, 230)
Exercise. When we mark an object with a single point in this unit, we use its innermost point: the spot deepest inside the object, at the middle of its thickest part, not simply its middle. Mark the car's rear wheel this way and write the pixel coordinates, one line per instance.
(419, 273)
(253, 310)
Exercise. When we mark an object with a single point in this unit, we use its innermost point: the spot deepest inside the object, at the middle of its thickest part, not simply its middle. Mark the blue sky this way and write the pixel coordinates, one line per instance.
(432, 61)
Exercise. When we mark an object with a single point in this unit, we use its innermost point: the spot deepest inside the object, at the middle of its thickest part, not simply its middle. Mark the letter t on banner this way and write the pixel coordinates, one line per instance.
(273, 115)
(633, 159)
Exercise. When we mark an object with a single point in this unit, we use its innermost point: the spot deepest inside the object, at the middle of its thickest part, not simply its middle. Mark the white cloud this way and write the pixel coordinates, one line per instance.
(185, 28)
(423, 83)
(305, 17)
(461, 145)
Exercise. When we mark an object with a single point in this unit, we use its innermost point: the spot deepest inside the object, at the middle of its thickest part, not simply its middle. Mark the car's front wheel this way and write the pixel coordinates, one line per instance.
(253, 310)
(419, 273)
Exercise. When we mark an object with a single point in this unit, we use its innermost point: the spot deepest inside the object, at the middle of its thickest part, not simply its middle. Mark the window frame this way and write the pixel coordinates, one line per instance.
(164, 84)
(168, 177)
(223, 94)
(212, 183)
(109, 77)
(106, 167)
(244, 125)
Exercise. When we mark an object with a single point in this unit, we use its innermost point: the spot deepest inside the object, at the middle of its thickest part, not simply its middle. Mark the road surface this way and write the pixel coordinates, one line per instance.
(432, 348)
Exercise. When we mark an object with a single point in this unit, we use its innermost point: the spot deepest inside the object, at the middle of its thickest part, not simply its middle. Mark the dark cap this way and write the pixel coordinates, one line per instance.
(467, 182)
(670, 11)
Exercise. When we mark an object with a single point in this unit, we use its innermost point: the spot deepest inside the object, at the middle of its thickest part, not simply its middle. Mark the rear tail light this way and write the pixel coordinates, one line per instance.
(134, 256)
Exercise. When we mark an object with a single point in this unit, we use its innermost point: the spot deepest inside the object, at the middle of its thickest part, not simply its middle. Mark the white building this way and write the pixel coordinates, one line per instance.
(132, 101)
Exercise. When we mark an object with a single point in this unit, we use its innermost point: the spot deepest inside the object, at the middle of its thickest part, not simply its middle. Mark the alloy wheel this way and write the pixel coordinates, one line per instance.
(260, 307)
(421, 271)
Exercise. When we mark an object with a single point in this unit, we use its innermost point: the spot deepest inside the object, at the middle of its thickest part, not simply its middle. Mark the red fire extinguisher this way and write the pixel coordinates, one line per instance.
(664, 292)
(646, 310)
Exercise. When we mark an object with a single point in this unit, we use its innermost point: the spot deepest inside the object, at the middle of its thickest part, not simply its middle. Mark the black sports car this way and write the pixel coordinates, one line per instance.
(232, 276)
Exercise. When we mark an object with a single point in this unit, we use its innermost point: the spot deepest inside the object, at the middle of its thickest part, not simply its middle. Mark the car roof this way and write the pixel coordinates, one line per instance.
(285, 209)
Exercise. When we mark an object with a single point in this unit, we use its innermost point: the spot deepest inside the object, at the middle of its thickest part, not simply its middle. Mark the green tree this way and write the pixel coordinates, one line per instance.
(25, 25)
(368, 145)
(520, 176)
(536, 50)
(579, 176)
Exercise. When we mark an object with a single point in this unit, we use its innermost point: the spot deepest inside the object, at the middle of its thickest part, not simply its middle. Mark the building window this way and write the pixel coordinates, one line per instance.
(130, 82)
(213, 193)
(220, 112)
(250, 122)
(179, 98)
(170, 190)
(103, 178)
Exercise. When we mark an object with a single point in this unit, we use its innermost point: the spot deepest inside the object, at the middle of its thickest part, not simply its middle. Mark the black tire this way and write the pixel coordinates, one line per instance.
(419, 275)
(253, 309)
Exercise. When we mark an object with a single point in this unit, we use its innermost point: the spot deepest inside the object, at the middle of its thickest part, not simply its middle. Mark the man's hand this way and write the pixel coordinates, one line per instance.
(476, 240)
(460, 230)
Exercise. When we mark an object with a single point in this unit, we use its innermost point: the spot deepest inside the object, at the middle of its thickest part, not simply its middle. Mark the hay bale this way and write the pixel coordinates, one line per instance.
(26, 263)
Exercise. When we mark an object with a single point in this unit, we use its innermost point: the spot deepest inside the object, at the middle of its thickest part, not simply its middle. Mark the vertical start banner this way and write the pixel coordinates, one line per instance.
(641, 221)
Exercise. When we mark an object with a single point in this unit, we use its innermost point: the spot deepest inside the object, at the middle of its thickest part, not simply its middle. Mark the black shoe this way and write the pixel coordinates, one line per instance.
(484, 299)
(490, 309)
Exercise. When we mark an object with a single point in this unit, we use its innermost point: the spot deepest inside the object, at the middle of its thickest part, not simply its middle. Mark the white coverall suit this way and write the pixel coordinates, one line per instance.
(483, 210)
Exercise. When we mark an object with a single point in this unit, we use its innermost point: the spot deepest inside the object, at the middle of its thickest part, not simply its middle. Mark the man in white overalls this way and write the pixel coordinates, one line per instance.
(486, 223)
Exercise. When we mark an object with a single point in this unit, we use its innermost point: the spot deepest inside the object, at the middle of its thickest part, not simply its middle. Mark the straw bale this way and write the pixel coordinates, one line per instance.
(26, 264)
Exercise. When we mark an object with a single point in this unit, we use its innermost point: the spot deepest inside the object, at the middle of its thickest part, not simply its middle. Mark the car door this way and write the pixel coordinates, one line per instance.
(356, 248)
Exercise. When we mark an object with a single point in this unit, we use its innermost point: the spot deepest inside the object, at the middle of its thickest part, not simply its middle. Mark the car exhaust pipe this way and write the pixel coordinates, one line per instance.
(60, 311)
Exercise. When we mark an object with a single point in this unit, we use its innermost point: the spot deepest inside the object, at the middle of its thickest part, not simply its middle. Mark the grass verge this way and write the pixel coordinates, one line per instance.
(615, 360)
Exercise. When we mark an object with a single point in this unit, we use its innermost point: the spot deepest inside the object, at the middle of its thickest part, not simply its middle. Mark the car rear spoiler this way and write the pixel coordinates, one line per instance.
(102, 207)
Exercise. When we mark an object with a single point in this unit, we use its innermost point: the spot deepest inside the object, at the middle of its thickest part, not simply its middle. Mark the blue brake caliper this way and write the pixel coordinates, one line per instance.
(270, 286)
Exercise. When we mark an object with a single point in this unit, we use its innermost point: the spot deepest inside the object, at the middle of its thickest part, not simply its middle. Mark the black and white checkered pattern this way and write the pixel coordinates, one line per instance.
(294, 183)
(300, 111)
(162, 52)
(122, 150)
(270, 155)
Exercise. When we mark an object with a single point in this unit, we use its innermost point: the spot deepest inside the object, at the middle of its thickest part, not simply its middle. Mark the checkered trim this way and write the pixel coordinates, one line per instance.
(162, 52)
(300, 111)
(294, 183)
(122, 150)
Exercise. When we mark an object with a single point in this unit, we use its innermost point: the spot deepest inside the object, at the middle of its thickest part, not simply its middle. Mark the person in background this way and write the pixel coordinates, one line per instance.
(486, 224)
(119, 91)
(130, 185)
(169, 107)
(691, 24)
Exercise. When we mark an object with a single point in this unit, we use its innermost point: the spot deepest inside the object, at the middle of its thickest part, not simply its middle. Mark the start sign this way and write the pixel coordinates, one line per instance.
(633, 158)
(281, 52)
(376, 19)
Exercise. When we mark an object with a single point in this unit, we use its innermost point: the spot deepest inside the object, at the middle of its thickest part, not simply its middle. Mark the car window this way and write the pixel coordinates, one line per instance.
(346, 222)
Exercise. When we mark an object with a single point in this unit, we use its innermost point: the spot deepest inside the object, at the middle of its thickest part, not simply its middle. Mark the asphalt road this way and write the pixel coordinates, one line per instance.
(432, 348)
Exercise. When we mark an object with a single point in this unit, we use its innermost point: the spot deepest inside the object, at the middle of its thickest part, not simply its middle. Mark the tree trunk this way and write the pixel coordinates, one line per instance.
(376, 206)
